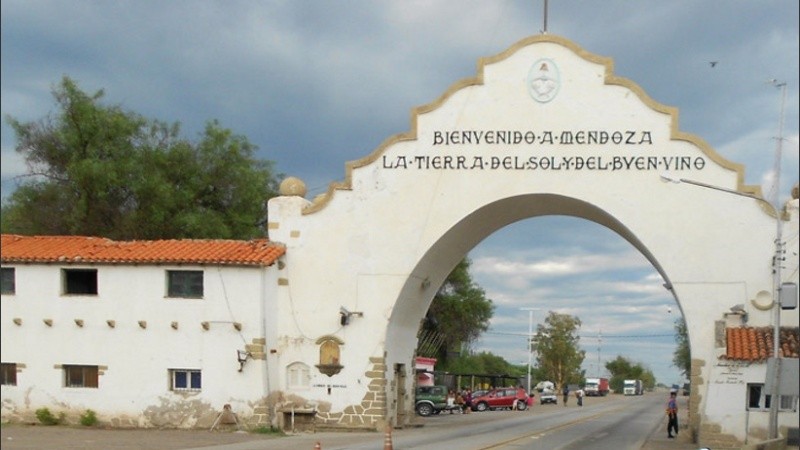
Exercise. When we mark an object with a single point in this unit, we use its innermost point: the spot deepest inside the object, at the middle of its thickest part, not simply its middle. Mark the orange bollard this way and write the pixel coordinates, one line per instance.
(317, 446)
(387, 441)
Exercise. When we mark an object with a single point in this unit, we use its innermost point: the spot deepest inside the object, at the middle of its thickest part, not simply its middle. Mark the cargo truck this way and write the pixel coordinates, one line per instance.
(632, 387)
(547, 392)
(596, 387)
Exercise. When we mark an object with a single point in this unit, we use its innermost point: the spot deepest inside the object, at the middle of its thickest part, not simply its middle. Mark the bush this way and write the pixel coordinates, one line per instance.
(88, 418)
(47, 418)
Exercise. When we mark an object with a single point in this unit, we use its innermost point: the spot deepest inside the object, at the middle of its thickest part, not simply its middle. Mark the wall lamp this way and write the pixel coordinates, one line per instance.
(345, 315)
(668, 177)
(242, 357)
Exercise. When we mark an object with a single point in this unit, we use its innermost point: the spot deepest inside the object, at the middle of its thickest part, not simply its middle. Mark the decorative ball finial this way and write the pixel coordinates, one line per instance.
(292, 186)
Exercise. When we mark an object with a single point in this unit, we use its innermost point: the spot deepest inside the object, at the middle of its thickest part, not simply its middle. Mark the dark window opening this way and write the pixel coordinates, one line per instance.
(8, 374)
(7, 282)
(80, 281)
(81, 376)
(185, 283)
(185, 380)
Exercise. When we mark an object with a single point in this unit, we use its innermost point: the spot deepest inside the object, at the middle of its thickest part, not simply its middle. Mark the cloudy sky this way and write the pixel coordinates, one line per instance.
(317, 83)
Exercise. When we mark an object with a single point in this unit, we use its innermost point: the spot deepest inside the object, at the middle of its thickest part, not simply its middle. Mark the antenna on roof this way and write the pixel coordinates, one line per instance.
(544, 30)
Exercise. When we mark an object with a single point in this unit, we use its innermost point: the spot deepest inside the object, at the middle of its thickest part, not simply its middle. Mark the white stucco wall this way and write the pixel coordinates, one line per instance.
(134, 382)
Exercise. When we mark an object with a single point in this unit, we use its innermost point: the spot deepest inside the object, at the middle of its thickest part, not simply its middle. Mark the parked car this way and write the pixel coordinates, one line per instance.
(509, 398)
(430, 399)
(479, 392)
(548, 397)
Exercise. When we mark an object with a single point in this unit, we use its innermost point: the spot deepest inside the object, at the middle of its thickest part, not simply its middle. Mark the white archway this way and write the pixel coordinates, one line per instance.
(544, 129)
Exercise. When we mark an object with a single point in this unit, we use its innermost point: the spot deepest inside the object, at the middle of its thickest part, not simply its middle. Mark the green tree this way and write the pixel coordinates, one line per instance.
(682, 358)
(99, 170)
(622, 369)
(619, 368)
(458, 314)
(558, 355)
(482, 363)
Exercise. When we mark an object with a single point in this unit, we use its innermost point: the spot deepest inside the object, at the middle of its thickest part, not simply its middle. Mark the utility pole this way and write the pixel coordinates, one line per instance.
(530, 343)
(599, 346)
(777, 261)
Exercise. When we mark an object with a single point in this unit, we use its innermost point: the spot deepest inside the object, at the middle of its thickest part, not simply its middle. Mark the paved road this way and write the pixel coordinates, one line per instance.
(462, 432)
(621, 426)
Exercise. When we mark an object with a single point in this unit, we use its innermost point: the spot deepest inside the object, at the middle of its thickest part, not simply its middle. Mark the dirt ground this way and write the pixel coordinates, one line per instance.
(37, 437)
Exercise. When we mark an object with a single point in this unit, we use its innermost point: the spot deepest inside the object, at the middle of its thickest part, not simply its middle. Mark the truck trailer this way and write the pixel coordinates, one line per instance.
(633, 387)
(596, 387)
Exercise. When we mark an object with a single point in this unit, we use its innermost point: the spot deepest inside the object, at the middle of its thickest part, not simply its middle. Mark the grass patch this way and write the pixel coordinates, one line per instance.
(268, 430)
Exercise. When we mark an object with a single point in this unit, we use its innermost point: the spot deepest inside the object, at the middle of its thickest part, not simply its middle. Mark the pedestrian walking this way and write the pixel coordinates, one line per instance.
(672, 415)
(579, 396)
(566, 394)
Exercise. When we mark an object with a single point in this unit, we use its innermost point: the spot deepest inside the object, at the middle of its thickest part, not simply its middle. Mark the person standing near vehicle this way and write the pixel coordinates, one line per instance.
(468, 401)
(566, 394)
(451, 401)
(672, 415)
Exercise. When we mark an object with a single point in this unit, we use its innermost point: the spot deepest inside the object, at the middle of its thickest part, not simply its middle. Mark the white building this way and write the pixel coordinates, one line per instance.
(158, 333)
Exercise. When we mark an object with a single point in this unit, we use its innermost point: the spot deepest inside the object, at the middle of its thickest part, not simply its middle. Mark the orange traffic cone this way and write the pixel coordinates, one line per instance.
(317, 446)
(387, 441)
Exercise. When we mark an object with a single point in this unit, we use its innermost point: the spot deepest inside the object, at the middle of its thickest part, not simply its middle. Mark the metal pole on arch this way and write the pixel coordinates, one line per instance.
(544, 30)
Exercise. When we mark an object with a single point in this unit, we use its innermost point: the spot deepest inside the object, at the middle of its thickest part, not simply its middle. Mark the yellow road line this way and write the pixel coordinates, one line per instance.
(552, 429)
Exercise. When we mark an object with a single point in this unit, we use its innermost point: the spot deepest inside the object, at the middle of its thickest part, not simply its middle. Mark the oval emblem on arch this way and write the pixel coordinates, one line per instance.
(544, 80)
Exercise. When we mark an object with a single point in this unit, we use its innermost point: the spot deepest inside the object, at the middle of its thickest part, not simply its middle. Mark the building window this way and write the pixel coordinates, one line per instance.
(185, 283)
(185, 380)
(80, 376)
(788, 403)
(759, 400)
(9, 374)
(297, 375)
(80, 281)
(7, 284)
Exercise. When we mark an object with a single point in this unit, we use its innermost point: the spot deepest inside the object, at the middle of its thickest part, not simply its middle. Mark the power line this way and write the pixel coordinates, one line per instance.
(629, 336)
(593, 336)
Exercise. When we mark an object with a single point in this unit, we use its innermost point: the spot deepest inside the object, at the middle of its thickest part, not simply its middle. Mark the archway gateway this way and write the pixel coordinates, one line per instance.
(545, 128)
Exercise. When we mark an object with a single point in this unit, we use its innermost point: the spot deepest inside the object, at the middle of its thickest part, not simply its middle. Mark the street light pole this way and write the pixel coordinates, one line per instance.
(530, 343)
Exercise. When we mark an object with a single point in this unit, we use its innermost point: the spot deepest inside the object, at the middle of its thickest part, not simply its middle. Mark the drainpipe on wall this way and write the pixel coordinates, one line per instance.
(263, 308)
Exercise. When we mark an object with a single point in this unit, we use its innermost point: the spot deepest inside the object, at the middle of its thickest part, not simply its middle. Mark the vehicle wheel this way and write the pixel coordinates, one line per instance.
(521, 405)
(424, 409)
(482, 406)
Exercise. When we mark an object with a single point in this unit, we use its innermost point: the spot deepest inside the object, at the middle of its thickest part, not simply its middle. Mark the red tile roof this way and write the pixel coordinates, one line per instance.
(82, 249)
(755, 343)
